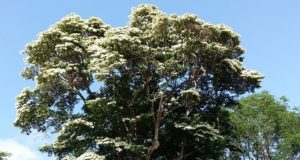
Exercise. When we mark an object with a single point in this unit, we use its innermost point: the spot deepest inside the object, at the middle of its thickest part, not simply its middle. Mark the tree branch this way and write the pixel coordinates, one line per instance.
(157, 121)
(181, 154)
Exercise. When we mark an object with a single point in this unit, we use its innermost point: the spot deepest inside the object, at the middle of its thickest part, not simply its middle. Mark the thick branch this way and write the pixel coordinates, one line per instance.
(90, 92)
(81, 96)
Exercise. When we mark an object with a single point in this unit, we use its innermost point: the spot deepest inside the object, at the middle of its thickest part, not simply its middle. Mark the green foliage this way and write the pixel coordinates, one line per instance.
(3, 155)
(155, 89)
(266, 128)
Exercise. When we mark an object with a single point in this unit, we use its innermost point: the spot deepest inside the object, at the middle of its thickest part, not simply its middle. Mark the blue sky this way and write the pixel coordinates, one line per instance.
(269, 31)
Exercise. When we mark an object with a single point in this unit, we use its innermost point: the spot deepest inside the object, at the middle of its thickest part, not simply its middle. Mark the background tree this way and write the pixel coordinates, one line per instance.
(3, 155)
(155, 89)
(266, 128)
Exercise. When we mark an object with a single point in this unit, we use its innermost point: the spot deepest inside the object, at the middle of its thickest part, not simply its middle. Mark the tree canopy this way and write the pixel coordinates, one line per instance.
(154, 89)
(266, 128)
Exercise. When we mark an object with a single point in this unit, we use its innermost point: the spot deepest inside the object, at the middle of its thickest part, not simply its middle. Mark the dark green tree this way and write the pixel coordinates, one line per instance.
(266, 128)
(155, 89)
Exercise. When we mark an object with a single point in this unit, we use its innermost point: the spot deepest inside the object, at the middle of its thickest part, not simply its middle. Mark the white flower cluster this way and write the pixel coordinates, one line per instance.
(86, 156)
(106, 62)
(251, 73)
(234, 64)
(90, 156)
(78, 121)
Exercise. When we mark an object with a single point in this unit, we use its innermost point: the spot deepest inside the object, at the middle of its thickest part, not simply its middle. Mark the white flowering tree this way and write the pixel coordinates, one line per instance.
(155, 89)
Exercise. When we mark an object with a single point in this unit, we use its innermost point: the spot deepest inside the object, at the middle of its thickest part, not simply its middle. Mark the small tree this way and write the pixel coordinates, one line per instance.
(152, 89)
(3, 155)
(266, 129)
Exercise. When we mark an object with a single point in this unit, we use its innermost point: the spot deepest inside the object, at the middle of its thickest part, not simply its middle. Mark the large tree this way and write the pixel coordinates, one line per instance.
(155, 89)
(266, 128)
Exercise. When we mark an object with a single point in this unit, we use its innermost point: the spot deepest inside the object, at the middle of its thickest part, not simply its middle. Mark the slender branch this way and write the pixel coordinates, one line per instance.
(140, 91)
(191, 153)
(170, 111)
(181, 154)
(157, 121)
